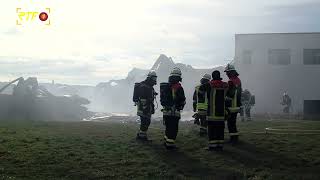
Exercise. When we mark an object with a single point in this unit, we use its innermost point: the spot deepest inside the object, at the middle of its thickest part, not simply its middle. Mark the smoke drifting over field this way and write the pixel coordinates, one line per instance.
(115, 96)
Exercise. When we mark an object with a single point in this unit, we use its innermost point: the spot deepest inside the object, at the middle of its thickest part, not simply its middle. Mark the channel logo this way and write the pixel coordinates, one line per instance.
(24, 17)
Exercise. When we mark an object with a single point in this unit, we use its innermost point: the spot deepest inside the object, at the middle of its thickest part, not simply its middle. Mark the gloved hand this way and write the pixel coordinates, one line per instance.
(195, 115)
(152, 109)
(196, 118)
(163, 122)
(227, 114)
(196, 121)
(179, 108)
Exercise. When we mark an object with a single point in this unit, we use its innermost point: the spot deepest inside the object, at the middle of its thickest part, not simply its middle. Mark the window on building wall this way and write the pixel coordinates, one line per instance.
(311, 56)
(279, 56)
(246, 57)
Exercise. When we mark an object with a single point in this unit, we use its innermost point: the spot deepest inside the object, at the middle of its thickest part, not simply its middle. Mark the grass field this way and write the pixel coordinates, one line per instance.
(108, 150)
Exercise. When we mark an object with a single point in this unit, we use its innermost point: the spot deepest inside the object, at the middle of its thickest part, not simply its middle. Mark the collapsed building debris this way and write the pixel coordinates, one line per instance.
(29, 101)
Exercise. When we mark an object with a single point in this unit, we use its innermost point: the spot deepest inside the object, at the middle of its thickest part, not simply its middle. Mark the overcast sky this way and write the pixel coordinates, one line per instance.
(91, 41)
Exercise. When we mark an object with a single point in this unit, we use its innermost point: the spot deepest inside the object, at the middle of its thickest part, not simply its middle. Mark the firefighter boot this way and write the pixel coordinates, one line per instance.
(217, 148)
(220, 147)
(142, 136)
(242, 119)
(234, 140)
(203, 131)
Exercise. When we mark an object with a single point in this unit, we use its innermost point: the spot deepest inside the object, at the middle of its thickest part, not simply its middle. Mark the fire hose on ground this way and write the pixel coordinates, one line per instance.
(276, 130)
(271, 131)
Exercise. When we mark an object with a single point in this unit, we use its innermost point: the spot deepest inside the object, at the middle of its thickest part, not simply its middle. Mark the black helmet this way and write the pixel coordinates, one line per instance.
(216, 75)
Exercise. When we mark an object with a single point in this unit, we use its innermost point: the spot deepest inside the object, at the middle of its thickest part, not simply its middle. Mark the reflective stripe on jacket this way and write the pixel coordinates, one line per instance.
(178, 99)
(234, 103)
(144, 108)
(171, 112)
(217, 104)
(201, 107)
(234, 95)
(145, 104)
(215, 92)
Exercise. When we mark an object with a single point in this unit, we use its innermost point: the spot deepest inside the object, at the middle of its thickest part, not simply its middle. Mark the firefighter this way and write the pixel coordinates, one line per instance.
(144, 95)
(247, 100)
(286, 102)
(199, 108)
(172, 99)
(215, 92)
(233, 102)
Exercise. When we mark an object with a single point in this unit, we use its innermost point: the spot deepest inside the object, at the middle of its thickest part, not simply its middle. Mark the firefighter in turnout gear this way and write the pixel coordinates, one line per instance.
(215, 92)
(247, 100)
(172, 99)
(143, 97)
(286, 102)
(201, 107)
(233, 102)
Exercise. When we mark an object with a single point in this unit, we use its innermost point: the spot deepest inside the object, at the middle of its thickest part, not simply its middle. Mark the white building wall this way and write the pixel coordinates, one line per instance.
(267, 81)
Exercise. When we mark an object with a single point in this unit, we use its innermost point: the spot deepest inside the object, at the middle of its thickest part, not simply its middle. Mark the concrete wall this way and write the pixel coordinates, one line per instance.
(267, 81)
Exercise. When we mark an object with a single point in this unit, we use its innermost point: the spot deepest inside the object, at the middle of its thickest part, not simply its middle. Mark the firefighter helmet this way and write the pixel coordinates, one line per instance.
(229, 67)
(176, 72)
(152, 74)
(216, 75)
(206, 76)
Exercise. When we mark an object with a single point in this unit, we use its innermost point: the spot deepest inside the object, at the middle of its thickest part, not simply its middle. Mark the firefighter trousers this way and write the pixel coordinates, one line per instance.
(203, 124)
(232, 127)
(286, 109)
(144, 125)
(245, 111)
(171, 132)
(216, 133)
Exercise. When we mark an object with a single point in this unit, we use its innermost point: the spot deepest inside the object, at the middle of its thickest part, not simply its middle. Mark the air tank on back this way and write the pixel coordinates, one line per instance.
(166, 98)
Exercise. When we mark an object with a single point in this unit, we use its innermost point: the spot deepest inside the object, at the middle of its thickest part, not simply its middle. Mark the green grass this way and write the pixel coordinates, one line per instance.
(108, 150)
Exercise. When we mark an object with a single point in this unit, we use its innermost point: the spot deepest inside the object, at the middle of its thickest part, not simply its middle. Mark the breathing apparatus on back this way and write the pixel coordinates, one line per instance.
(166, 96)
(151, 80)
(175, 76)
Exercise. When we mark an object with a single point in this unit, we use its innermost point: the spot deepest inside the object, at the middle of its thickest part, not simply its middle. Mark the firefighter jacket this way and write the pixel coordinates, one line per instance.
(246, 99)
(179, 100)
(245, 96)
(215, 92)
(199, 107)
(233, 100)
(146, 100)
(286, 100)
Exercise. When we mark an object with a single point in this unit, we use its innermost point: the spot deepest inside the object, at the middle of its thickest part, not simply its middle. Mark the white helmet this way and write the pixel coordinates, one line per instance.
(176, 72)
(229, 67)
(206, 76)
(152, 74)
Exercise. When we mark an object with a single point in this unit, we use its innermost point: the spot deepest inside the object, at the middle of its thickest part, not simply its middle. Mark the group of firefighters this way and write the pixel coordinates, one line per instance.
(214, 102)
